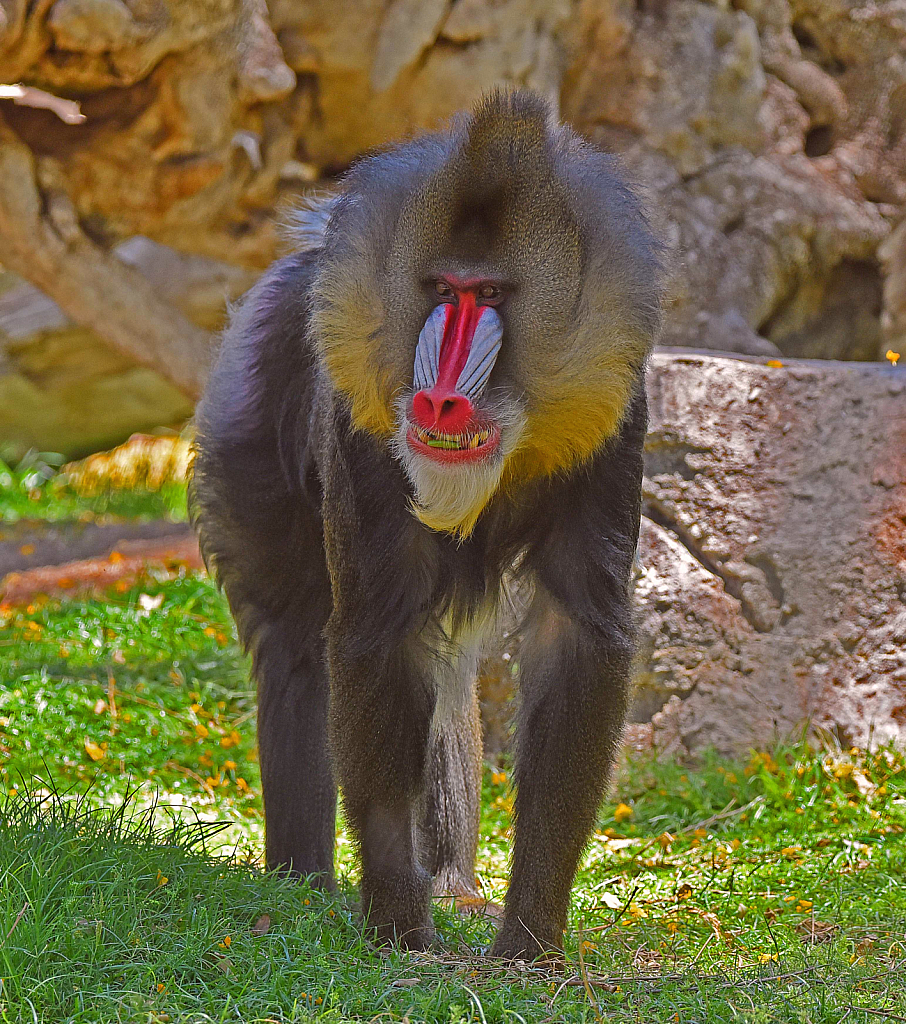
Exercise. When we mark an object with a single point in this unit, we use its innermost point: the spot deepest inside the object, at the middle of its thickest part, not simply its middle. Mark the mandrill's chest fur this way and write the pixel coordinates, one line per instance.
(389, 565)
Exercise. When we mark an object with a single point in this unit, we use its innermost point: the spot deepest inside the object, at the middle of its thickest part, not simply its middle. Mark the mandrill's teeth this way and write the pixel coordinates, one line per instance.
(452, 442)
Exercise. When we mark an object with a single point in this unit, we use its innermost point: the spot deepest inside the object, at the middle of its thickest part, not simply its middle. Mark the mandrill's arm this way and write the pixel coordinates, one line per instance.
(575, 682)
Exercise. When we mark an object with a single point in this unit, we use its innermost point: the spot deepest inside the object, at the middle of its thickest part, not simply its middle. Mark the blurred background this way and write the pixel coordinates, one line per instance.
(148, 149)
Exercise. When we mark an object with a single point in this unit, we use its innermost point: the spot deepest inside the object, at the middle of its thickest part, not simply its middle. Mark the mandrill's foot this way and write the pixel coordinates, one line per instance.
(515, 941)
(399, 910)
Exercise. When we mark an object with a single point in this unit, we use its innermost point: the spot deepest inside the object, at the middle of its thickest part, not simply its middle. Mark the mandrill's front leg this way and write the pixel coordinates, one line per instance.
(382, 691)
(574, 686)
(381, 710)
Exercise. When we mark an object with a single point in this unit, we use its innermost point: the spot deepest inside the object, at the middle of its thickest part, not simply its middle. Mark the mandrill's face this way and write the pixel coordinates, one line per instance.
(456, 352)
(486, 312)
(454, 431)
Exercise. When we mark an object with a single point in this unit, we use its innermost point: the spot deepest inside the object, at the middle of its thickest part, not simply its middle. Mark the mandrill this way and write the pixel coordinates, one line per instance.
(441, 388)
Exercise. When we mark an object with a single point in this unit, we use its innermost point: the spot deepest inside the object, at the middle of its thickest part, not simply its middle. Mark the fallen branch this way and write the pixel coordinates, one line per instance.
(42, 240)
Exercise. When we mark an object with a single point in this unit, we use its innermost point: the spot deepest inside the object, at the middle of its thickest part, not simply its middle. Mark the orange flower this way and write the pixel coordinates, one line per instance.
(622, 812)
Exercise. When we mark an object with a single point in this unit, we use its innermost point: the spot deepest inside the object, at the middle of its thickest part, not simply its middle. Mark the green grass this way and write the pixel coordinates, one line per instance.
(34, 490)
(127, 731)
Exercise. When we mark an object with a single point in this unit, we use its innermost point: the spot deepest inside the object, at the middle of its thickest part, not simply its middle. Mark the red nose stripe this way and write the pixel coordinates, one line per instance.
(443, 408)
(459, 329)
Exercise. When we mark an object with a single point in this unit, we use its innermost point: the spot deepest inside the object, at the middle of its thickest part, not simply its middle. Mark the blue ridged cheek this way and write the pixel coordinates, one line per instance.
(482, 355)
(427, 353)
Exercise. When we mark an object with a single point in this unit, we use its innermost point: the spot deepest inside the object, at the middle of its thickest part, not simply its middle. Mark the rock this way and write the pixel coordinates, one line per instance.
(384, 69)
(63, 390)
(91, 26)
(264, 75)
(407, 29)
(773, 582)
(893, 253)
(754, 137)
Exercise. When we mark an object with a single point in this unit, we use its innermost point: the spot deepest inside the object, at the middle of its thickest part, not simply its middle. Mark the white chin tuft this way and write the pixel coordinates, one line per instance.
(450, 497)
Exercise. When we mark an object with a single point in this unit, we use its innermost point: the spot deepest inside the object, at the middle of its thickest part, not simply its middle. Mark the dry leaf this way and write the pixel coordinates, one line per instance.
(149, 603)
(814, 932)
(610, 899)
(405, 982)
(95, 752)
(477, 906)
(262, 926)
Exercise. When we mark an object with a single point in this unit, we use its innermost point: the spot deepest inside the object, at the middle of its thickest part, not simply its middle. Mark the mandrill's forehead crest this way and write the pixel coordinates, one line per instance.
(496, 201)
(508, 197)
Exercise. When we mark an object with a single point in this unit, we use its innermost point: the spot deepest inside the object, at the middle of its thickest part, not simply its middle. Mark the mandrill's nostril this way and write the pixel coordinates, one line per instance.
(442, 410)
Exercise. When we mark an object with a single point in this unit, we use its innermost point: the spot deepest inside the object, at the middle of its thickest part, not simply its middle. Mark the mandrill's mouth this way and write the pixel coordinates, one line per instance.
(473, 444)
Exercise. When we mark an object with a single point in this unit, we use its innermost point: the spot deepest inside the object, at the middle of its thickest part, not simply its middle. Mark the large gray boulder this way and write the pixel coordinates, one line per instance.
(773, 581)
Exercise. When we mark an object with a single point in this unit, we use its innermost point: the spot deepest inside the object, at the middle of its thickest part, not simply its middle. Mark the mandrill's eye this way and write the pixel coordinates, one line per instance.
(443, 290)
(489, 294)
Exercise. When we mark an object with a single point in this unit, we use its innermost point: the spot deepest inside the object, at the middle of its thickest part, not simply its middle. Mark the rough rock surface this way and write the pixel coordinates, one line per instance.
(62, 389)
(773, 581)
(770, 135)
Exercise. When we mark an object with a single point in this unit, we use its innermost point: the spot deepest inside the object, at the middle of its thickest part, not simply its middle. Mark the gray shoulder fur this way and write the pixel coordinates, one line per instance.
(306, 224)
